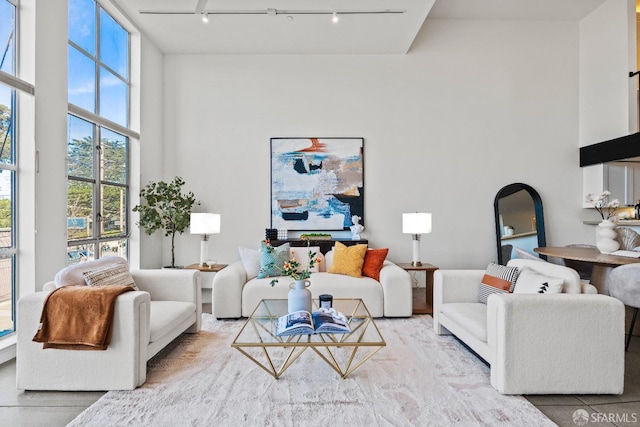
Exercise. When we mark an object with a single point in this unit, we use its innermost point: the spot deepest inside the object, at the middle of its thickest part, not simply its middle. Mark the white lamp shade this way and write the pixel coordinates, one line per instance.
(416, 223)
(205, 223)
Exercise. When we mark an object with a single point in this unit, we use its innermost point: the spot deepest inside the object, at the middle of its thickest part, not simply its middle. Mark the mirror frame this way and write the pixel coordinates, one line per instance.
(537, 206)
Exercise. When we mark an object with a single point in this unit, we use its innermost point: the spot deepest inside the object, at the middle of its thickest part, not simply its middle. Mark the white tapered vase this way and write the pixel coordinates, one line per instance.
(607, 241)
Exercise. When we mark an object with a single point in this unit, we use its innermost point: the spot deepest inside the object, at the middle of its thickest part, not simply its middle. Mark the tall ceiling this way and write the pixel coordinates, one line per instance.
(306, 27)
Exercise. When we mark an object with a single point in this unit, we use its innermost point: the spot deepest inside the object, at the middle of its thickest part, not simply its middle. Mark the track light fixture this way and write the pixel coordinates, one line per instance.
(273, 12)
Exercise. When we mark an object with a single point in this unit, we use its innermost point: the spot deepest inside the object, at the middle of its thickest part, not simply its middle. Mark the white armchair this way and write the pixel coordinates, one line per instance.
(145, 321)
(568, 343)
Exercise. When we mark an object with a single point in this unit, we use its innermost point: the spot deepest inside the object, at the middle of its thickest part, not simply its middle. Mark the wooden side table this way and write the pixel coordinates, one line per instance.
(422, 304)
(206, 275)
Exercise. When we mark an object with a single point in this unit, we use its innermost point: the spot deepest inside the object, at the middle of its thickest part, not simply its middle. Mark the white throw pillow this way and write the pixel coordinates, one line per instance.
(72, 275)
(250, 260)
(532, 282)
(328, 261)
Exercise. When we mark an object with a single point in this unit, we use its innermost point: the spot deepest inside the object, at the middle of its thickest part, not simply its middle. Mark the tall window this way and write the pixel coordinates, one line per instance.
(98, 145)
(9, 85)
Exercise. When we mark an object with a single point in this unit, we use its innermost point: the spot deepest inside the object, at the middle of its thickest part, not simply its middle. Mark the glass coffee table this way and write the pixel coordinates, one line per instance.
(345, 353)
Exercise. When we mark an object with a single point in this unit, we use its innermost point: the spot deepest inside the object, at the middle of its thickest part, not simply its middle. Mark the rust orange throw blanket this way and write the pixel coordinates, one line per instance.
(78, 317)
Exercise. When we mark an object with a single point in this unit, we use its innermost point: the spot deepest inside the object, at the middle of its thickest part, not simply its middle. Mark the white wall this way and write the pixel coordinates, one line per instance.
(474, 106)
(50, 141)
(146, 251)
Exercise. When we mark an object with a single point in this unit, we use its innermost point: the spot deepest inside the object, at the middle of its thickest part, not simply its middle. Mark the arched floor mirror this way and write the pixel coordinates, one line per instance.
(519, 222)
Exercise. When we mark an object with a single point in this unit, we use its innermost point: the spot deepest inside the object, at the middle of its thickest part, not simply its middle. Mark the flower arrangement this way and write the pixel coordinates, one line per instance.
(600, 203)
(291, 268)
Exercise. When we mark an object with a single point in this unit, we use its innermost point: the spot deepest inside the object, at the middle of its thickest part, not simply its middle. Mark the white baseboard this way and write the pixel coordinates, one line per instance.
(8, 348)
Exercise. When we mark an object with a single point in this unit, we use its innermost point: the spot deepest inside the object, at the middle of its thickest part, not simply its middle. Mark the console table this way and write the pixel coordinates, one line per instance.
(324, 244)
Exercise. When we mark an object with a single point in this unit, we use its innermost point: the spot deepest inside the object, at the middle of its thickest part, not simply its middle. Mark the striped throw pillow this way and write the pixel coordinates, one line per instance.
(497, 279)
(110, 275)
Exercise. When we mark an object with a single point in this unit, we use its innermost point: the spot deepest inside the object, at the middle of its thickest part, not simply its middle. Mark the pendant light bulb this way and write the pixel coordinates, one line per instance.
(205, 17)
(335, 18)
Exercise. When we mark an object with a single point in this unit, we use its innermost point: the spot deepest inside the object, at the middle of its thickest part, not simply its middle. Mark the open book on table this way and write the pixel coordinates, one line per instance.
(303, 323)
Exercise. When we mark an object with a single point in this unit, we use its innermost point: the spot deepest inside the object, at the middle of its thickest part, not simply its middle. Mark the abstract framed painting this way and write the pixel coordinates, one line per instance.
(317, 184)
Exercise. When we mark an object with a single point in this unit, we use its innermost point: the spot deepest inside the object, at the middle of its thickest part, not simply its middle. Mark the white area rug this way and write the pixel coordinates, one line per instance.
(418, 379)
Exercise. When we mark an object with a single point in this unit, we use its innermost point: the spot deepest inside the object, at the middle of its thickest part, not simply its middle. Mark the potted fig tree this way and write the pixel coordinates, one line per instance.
(165, 207)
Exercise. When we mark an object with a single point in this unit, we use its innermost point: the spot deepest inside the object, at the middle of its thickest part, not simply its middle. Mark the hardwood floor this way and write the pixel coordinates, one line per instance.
(52, 409)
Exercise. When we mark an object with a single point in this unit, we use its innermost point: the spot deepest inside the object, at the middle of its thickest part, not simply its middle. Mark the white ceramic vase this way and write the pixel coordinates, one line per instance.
(607, 242)
(299, 297)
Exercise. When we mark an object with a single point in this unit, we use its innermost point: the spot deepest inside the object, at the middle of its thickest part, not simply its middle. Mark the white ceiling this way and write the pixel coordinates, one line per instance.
(183, 31)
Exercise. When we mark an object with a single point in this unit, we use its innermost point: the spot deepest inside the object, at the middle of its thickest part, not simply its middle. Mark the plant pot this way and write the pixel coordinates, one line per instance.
(607, 241)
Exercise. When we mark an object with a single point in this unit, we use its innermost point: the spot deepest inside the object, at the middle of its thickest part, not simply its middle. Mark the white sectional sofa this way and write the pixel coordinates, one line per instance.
(566, 343)
(145, 321)
(234, 295)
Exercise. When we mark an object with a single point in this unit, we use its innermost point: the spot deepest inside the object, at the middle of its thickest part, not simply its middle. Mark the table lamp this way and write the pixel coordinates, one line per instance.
(205, 224)
(416, 224)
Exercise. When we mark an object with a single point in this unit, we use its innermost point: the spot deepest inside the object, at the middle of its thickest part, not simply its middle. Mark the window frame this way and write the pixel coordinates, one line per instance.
(99, 122)
(16, 87)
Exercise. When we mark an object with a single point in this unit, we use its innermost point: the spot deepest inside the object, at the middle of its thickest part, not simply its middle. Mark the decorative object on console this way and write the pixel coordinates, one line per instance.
(416, 224)
(271, 234)
(356, 228)
(205, 224)
(165, 208)
(316, 183)
(282, 234)
(315, 236)
(607, 242)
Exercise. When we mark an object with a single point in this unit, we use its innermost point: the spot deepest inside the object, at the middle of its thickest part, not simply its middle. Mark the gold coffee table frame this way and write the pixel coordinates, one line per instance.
(345, 353)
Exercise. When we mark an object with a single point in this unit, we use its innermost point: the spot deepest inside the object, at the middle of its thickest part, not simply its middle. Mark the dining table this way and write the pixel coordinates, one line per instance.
(602, 263)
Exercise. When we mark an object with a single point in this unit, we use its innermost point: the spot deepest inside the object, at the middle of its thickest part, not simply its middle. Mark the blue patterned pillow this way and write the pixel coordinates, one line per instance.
(272, 259)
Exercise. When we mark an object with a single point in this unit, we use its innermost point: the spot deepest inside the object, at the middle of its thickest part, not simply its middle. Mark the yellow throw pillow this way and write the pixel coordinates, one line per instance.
(348, 259)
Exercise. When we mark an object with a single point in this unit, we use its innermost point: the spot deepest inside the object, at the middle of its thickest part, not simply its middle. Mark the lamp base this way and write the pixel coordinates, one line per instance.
(204, 252)
(416, 251)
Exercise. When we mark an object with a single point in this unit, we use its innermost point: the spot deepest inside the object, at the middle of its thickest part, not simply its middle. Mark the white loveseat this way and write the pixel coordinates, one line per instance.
(234, 295)
(145, 321)
(566, 343)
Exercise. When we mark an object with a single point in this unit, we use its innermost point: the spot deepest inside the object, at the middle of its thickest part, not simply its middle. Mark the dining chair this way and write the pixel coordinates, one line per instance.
(624, 284)
(583, 268)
